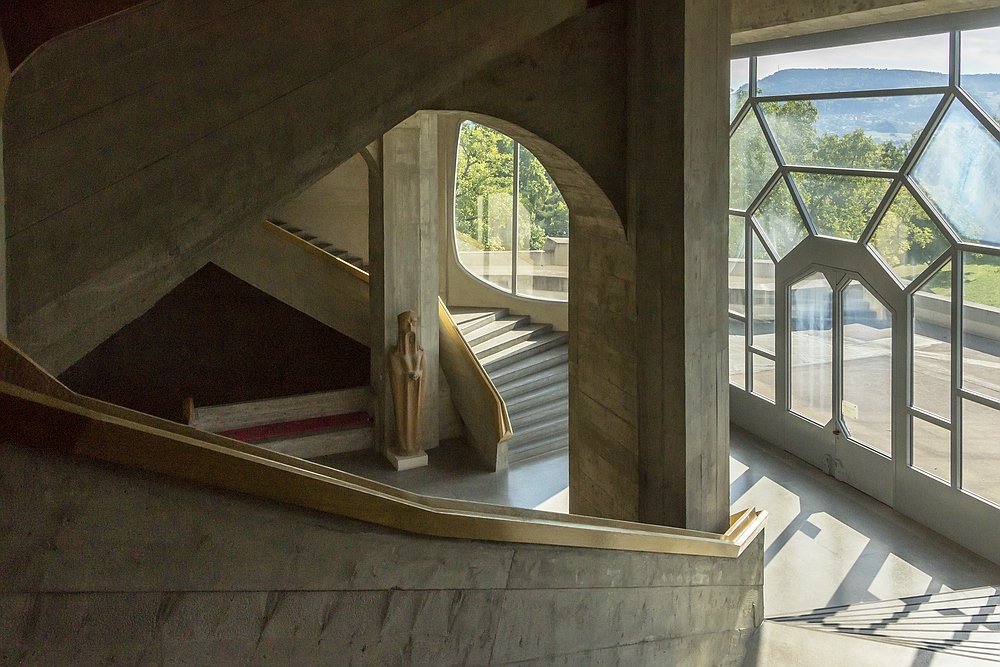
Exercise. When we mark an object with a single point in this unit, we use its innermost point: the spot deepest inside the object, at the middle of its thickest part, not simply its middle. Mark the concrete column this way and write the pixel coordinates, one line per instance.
(677, 188)
(403, 253)
(4, 83)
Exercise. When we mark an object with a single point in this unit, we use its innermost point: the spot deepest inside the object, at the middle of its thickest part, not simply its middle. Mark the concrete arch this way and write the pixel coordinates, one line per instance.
(602, 319)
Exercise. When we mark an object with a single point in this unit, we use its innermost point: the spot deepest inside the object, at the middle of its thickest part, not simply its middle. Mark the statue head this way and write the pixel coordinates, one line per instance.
(407, 323)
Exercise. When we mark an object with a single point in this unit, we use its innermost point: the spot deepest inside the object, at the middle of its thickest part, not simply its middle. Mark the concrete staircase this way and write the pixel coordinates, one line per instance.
(952, 628)
(322, 244)
(529, 364)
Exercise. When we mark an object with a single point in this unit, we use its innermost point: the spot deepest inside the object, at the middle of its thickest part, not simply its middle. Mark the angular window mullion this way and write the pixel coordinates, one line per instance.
(851, 94)
(957, 273)
(936, 216)
(925, 136)
(988, 121)
(880, 210)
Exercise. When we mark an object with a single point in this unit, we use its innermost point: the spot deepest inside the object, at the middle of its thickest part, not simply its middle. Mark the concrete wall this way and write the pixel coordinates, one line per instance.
(566, 94)
(134, 145)
(334, 208)
(4, 83)
(109, 566)
(304, 280)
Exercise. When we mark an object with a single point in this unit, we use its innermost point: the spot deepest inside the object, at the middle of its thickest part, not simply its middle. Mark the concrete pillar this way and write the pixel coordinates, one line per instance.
(677, 187)
(4, 83)
(403, 253)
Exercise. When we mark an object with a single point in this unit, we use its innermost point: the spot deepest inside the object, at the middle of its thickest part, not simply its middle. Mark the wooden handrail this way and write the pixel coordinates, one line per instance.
(286, 235)
(54, 417)
(71, 428)
(476, 398)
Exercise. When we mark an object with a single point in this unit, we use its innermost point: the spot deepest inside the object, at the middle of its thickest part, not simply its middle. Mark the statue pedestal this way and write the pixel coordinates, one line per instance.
(402, 463)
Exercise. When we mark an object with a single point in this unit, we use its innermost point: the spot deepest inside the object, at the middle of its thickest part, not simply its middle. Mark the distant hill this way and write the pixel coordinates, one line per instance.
(792, 81)
(892, 119)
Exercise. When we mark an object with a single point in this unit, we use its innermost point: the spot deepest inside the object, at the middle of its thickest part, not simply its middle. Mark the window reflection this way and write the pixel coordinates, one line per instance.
(959, 171)
(780, 220)
(932, 345)
(867, 373)
(811, 361)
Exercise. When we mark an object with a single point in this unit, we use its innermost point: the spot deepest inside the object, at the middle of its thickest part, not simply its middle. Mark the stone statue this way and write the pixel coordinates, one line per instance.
(407, 373)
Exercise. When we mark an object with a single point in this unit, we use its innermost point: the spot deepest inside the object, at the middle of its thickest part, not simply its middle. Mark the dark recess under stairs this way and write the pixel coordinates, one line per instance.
(529, 364)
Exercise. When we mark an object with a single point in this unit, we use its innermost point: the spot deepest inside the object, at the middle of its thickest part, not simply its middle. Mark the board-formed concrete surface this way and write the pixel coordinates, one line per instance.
(109, 566)
(135, 145)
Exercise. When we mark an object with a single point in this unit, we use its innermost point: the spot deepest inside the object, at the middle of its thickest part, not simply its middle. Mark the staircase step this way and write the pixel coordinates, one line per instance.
(542, 360)
(470, 319)
(507, 340)
(493, 329)
(325, 443)
(305, 236)
(554, 443)
(540, 396)
(523, 350)
(512, 387)
(556, 409)
(538, 432)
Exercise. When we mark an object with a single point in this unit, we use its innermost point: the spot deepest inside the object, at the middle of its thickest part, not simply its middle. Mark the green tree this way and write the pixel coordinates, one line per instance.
(485, 174)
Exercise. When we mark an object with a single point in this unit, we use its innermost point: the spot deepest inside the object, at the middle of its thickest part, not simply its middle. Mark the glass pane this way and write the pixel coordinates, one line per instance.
(737, 353)
(841, 206)
(739, 85)
(981, 68)
(981, 451)
(959, 171)
(484, 201)
(762, 329)
(737, 265)
(860, 132)
(898, 63)
(542, 232)
(811, 315)
(981, 325)
(932, 345)
(763, 377)
(751, 163)
(932, 449)
(780, 220)
(907, 239)
(867, 405)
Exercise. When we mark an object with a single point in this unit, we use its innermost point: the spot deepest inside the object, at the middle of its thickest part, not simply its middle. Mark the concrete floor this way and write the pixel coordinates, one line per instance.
(826, 543)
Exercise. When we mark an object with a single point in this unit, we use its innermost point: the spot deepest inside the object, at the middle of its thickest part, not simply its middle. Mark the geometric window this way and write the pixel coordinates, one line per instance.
(522, 249)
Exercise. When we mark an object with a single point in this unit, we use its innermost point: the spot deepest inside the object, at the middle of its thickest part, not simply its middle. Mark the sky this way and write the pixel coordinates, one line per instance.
(980, 55)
